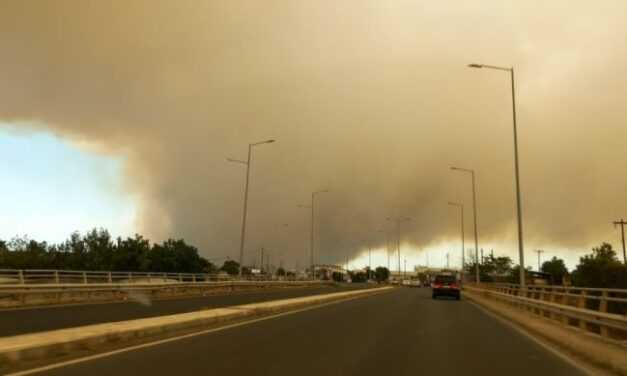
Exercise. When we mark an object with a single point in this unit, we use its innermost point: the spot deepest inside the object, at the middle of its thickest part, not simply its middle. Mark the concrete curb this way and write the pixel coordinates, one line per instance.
(59, 343)
(584, 347)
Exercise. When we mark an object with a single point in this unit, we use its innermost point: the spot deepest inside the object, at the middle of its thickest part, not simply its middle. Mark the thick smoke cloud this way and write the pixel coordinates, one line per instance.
(369, 99)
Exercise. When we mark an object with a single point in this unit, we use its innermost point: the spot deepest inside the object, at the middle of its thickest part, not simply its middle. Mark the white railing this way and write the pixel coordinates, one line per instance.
(21, 288)
(47, 276)
(596, 310)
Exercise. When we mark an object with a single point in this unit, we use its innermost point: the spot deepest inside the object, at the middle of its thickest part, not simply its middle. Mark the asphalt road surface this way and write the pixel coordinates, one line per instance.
(403, 332)
(21, 321)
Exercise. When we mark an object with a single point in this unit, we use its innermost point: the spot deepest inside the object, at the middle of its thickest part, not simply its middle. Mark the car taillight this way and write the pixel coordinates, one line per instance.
(437, 285)
(454, 285)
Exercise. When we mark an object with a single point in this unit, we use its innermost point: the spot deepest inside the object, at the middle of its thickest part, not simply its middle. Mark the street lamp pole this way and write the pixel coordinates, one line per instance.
(461, 207)
(398, 221)
(311, 239)
(369, 260)
(244, 215)
(474, 213)
(387, 245)
(521, 253)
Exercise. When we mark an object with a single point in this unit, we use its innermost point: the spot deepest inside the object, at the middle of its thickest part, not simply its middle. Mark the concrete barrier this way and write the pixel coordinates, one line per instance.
(593, 350)
(48, 346)
(54, 294)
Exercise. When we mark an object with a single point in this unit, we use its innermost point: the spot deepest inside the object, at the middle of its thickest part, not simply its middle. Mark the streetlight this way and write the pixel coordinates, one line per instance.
(398, 221)
(243, 234)
(387, 246)
(461, 207)
(311, 242)
(521, 254)
(474, 213)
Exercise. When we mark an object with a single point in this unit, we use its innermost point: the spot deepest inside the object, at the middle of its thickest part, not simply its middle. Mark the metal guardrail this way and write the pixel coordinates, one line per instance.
(46, 276)
(595, 310)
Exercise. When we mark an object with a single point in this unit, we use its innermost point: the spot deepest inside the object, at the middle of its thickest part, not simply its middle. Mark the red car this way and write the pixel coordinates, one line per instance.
(446, 285)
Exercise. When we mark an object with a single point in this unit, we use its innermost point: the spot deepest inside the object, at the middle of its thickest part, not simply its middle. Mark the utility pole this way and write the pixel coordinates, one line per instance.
(539, 251)
(261, 264)
(482, 260)
(447, 261)
(622, 229)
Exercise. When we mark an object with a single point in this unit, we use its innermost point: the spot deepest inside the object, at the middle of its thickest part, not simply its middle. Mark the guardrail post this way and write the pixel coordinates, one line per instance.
(581, 303)
(165, 277)
(84, 278)
(194, 278)
(564, 301)
(603, 308)
(552, 315)
(109, 278)
(21, 276)
(130, 277)
(56, 277)
(180, 277)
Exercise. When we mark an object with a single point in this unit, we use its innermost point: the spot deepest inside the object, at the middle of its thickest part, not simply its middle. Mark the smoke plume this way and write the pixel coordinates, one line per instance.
(371, 100)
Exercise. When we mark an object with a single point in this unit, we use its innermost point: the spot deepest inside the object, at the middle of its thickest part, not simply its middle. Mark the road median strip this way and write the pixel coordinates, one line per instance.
(61, 343)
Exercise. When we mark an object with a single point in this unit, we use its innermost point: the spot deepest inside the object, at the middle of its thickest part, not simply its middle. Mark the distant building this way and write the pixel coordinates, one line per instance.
(326, 271)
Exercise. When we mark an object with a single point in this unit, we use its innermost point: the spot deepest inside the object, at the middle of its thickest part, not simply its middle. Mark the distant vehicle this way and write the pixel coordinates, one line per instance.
(445, 285)
(414, 283)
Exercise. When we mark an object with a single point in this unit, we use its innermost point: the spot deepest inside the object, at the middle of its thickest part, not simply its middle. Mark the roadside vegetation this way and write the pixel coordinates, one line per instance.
(601, 268)
(96, 250)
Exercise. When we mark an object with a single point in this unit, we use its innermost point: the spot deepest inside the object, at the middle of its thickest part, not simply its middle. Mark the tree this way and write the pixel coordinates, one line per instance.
(381, 274)
(493, 269)
(600, 269)
(337, 277)
(231, 267)
(514, 276)
(556, 268)
(96, 251)
(131, 254)
(99, 250)
(358, 277)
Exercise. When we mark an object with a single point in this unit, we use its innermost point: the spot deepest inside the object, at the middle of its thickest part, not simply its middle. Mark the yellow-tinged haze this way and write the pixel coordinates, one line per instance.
(369, 99)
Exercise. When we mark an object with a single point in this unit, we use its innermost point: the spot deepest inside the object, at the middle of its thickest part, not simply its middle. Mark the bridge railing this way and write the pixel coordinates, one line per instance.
(48, 276)
(596, 310)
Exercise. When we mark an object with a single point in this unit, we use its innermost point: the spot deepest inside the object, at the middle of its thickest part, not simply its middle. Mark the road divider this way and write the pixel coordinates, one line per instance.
(18, 351)
(17, 296)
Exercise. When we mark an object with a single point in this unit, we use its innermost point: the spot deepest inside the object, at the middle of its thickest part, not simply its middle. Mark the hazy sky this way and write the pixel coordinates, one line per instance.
(369, 99)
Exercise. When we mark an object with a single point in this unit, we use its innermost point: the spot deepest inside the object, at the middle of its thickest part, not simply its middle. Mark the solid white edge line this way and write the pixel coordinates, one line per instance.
(172, 339)
(542, 343)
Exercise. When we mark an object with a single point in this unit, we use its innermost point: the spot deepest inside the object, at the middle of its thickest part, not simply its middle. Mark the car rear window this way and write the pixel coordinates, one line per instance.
(445, 279)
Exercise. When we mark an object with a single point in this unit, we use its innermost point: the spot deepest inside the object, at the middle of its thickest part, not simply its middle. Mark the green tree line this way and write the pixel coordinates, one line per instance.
(97, 250)
(601, 268)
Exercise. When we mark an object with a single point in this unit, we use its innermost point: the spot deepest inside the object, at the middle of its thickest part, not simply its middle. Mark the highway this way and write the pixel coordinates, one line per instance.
(403, 332)
(32, 320)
